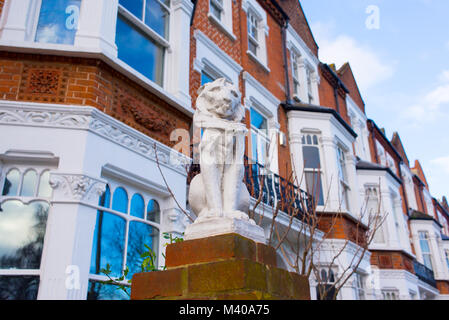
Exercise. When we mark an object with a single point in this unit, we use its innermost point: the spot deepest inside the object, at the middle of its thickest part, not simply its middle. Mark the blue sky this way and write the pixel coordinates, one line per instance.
(402, 69)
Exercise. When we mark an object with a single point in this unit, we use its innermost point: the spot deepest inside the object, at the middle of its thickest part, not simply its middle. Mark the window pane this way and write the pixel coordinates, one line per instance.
(215, 10)
(45, 189)
(140, 234)
(11, 186)
(137, 206)
(311, 157)
(108, 243)
(58, 21)
(252, 48)
(29, 184)
(19, 287)
(133, 6)
(206, 78)
(154, 211)
(314, 186)
(258, 121)
(157, 17)
(22, 231)
(100, 291)
(120, 200)
(139, 51)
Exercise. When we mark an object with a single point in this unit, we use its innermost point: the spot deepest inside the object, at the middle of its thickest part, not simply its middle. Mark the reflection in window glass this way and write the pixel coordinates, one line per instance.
(108, 244)
(19, 287)
(157, 17)
(153, 211)
(258, 121)
(11, 185)
(137, 206)
(139, 51)
(120, 200)
(44, 185)
(206, 78)
(311, 157)
(101, 291)
(133, 6)
(58, 21)
(29, 184)
(140, 234)
(22, 231)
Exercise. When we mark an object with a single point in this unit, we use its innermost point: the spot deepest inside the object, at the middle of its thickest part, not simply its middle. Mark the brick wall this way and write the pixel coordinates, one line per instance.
(87, 82)
(391, 260)
(340, 226)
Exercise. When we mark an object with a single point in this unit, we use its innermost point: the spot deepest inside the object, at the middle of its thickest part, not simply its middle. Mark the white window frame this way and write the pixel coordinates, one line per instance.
(224, 22)
(252, 8)
(131, 191)
(295, 56)
(262, 138)
(320, 171)
(24, 166)
(344, 186)
(390, 294)
(424, 236)
(359, 286)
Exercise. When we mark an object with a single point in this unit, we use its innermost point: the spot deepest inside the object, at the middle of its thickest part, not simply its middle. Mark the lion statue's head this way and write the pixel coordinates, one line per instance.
(221, 99)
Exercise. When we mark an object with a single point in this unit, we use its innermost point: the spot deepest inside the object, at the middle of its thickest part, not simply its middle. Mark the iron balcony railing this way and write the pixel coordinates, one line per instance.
(275, 189)
(424, 273)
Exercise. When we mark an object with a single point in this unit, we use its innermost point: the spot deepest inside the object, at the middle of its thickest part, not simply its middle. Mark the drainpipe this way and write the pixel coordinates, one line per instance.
(286, 67)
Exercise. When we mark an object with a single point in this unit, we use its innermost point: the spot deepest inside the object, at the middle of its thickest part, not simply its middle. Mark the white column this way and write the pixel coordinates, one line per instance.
(177, 80)
(354, 205)
(302, 74)
(97, 26)
(15, 20)
(68, 242)
(315, 84)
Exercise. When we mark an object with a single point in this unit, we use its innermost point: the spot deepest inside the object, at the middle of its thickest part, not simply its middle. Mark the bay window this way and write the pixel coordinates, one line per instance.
(125, 226)
(312, 167)
(142, 36)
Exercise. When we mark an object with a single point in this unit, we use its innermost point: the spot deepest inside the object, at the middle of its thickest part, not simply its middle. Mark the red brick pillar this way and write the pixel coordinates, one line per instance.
(224, 267)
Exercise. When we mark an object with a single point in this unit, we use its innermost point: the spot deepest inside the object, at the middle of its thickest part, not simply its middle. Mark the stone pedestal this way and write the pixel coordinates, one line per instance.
(223, 267)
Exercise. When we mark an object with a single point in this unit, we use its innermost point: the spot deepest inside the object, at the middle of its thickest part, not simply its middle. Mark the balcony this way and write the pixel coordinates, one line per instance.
(423, 273)
(274, 189)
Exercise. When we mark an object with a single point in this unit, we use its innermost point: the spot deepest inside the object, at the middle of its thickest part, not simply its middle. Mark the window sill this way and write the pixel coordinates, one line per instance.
(222, 27)
(109, 58)
(256, 59)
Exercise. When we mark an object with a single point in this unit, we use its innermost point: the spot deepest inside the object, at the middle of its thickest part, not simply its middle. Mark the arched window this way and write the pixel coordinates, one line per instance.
(11, 184)
(29, 183)
(153, 211)
(121, 239)
(45, 189)
(120, 200)
(137, 206)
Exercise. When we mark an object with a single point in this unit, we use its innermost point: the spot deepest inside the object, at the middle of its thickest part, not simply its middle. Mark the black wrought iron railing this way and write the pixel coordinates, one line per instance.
(274, 188)
(424, 273)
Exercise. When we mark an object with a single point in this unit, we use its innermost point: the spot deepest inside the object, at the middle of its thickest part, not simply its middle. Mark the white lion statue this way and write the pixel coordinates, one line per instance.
(218, 191)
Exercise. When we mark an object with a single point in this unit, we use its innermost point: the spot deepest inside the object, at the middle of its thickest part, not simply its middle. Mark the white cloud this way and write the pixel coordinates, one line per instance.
(369, 67)
(432, 105)
(442, 163)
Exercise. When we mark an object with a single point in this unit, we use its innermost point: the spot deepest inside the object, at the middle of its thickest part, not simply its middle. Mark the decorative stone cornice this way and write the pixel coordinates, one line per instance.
(76, 188)
(92, 120)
